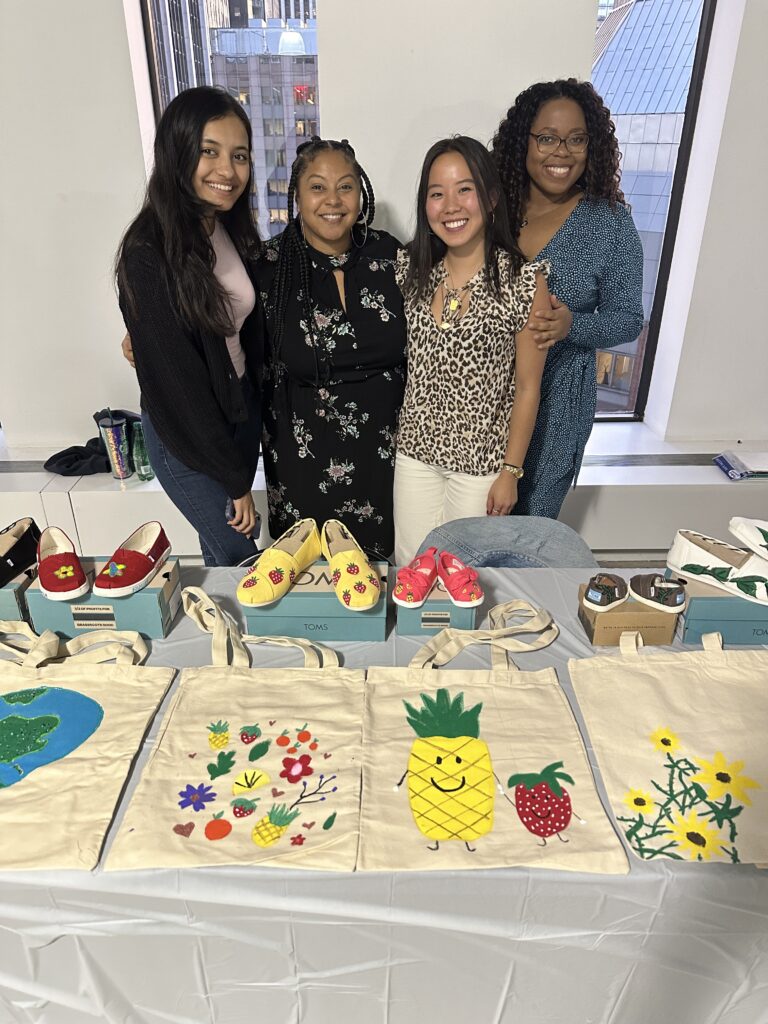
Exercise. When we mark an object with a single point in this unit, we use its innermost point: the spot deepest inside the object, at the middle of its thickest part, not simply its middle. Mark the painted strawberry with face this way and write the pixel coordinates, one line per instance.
(542, 804)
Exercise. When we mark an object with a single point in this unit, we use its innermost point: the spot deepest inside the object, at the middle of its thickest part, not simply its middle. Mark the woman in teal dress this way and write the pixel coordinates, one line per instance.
(559, 163)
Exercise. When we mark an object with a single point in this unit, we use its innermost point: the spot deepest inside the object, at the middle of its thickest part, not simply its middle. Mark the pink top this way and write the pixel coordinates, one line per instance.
(233, 278)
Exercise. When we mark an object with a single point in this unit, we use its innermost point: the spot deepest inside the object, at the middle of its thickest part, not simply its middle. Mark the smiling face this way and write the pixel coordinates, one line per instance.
(328, 199)
(222, 173)
(555, 174)
(453, 207)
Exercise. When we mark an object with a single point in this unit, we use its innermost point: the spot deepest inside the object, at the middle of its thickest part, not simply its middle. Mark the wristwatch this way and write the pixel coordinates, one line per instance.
(516, 471)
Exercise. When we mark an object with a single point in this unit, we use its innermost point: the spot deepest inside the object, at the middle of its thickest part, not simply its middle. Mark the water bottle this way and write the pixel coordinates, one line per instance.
(140, 455)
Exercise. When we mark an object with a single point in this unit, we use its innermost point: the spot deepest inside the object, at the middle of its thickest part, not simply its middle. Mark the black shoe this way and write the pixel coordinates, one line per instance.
(18, 548)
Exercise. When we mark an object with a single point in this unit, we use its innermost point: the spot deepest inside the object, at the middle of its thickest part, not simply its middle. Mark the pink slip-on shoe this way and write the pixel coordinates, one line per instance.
(415, 580)
(460, 581)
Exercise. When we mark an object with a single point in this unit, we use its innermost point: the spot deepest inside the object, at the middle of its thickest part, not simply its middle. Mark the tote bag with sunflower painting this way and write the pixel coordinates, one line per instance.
(253, 765)
(680, 740)
(477, 768)
(70, 727)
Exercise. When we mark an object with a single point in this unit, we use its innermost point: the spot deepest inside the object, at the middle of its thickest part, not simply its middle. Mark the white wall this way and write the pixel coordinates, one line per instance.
(71, 179)
(396, 77)
(711, 369)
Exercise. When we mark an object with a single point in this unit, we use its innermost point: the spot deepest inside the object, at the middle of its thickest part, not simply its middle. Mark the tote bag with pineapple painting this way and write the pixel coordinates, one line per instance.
(680, 740)
(479, 769)
(252, 766)
(70, 727)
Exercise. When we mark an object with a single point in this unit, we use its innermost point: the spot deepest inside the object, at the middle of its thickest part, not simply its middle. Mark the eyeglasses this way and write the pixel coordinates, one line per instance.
(547, 143)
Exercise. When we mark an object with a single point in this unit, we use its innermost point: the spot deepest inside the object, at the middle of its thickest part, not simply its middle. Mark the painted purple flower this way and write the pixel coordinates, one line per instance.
(196, 797)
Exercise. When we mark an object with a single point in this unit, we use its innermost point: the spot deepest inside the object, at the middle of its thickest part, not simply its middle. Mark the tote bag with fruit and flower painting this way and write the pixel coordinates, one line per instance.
(479, 769)
(70, 727)
(252, 766)
(680, 740)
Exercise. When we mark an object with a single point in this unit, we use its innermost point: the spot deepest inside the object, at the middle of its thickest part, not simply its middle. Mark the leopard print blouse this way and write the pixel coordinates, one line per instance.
(461, 381)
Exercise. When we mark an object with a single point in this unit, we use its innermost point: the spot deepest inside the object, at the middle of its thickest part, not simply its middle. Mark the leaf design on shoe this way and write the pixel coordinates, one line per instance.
(721, 573)
(748, 584)
(764, 534)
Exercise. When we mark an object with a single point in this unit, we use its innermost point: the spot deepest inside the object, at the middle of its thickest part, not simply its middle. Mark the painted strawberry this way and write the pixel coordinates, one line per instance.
(276, 574)
(249, 733)
(373, 581)
(292, 575)
(346, 597)
(353, 568)
(335, 576)
(542, 804)
(251, 581)
(409, 596)
(241, 807)
(360, 587)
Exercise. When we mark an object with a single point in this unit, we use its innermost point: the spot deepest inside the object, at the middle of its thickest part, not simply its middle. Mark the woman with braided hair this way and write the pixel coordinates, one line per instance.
(336, 352)
(558, 159)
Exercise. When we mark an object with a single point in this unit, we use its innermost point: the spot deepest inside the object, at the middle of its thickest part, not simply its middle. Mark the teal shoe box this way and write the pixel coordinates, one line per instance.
(711, 610)
(438, 612)
(13, 598)
(150, 612)
(312, 610)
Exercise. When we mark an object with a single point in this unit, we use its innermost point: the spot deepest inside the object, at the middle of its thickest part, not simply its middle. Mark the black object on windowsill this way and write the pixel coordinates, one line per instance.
(91, 457)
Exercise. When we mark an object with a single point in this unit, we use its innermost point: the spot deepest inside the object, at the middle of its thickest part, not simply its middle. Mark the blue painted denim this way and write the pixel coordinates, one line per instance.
(200, 499)
(516, 542)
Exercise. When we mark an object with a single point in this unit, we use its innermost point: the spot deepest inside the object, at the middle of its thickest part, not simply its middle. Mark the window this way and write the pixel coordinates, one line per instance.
(277, 187)
(306, 127)
(274, 126)
(304, 94)
(649, 58)
(272, 94)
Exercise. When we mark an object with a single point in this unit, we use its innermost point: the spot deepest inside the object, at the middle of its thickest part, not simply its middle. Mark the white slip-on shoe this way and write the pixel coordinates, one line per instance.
(719, 564)
(753, 533)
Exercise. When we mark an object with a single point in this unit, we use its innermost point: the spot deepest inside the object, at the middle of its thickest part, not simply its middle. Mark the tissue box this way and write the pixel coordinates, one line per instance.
(437, 612)
(711, 610)
(151, 611)
(312, 610)
(604, 628)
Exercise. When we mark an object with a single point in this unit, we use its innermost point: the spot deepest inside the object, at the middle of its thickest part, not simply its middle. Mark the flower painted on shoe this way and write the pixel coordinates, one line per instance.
(114, 569)
(196, 797)
(664, 739)
(64, 572)
(639, 801)
(295, 768)
(298, 840)
(695, 837)
(719, 778)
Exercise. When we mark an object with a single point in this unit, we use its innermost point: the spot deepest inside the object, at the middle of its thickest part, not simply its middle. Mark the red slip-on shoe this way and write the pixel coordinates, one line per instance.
(415, 580)
(460, 581)
(59, 572)
(134, 563)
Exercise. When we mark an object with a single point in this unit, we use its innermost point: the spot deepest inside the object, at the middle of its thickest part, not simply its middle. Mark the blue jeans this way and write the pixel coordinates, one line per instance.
(200, 499)
(517, 542)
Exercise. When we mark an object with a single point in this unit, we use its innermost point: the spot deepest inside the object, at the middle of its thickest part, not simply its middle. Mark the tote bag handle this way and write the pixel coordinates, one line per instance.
(443, 647)
(228, 643)
(631, 643)
(33, 651)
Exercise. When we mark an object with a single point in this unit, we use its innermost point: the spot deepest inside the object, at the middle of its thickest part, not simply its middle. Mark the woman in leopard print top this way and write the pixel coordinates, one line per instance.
(474, 368)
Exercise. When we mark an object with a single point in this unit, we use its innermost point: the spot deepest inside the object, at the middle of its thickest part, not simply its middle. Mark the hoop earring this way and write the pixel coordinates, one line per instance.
(360, 222)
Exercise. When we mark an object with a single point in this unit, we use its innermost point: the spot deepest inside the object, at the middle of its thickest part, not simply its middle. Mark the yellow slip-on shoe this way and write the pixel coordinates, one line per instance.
(278, 566)
(353, 579)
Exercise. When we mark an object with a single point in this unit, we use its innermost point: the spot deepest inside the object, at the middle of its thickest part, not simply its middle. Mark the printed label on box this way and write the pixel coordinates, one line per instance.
(93, 616)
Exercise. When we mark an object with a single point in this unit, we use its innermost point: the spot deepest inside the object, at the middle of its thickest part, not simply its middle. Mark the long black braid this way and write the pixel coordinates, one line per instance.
(292, 247)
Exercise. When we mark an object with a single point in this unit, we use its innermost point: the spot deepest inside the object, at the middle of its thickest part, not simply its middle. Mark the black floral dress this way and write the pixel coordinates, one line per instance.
(331, 409)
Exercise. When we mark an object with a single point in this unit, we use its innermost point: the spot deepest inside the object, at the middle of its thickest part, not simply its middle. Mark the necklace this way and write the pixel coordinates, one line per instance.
(452, 300)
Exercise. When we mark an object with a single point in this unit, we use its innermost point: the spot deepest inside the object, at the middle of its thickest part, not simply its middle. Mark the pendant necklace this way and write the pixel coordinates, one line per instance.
(452, 301)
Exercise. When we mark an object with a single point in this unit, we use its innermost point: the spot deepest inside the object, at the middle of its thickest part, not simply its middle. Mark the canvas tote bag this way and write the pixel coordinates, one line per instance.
(681, 744)
(440, 748)
(70, 727)
(252, 766)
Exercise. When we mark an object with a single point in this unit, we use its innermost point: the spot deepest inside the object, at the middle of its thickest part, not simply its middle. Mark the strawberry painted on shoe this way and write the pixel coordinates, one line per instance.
(59, 572)
(460, 581)
(415, 580)
(134, 563)
(278, 567)
(353, 579)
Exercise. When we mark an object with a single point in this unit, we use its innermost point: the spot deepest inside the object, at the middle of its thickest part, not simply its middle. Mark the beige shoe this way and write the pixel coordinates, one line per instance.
(720, 564)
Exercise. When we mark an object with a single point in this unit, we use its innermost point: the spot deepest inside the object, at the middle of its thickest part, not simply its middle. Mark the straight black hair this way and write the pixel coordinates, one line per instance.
(172, 217)
(426, 249)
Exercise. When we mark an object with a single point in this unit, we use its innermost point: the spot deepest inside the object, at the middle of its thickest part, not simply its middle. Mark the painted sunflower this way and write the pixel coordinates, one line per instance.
(718, 778)
(695, 837)
(639, 801)
(665, 739)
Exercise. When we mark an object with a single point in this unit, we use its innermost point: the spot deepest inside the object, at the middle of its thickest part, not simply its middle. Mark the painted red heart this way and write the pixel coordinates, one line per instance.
(326, 756)
(184, 830)
(277, 792)
(307, 824)
(272, 721)
(191, 755)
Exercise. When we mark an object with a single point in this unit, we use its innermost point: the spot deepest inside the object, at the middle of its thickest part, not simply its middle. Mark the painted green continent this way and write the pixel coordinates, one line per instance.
(20, 736)
(25, 696)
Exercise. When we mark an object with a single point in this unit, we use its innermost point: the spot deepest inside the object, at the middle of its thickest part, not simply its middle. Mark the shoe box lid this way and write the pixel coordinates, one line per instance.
(438, 612)
(312, 609)
(150, 611)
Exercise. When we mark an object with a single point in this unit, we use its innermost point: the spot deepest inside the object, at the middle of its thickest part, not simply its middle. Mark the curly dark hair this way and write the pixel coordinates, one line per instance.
(600, 179)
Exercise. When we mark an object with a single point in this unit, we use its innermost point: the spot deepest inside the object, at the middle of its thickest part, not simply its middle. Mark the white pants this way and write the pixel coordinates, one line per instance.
(428, 496)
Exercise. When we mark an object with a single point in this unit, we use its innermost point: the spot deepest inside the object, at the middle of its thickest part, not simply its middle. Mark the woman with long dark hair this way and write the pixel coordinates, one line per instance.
(336, 352)
(473, 367)
(558, 158)
(195, 321)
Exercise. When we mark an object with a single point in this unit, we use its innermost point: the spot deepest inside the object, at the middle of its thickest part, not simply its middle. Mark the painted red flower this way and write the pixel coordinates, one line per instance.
(297, 840)
(295, 768)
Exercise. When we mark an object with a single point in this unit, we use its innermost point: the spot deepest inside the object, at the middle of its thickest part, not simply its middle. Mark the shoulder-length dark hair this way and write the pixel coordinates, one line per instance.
(600, 179)
(171, 219)
(426, 249)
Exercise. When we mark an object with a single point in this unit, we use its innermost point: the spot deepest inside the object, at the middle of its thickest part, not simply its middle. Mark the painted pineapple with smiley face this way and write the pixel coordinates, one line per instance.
(451, 785)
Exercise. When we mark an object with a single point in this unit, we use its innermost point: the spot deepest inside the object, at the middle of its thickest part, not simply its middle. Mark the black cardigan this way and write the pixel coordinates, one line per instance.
(188, 384)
